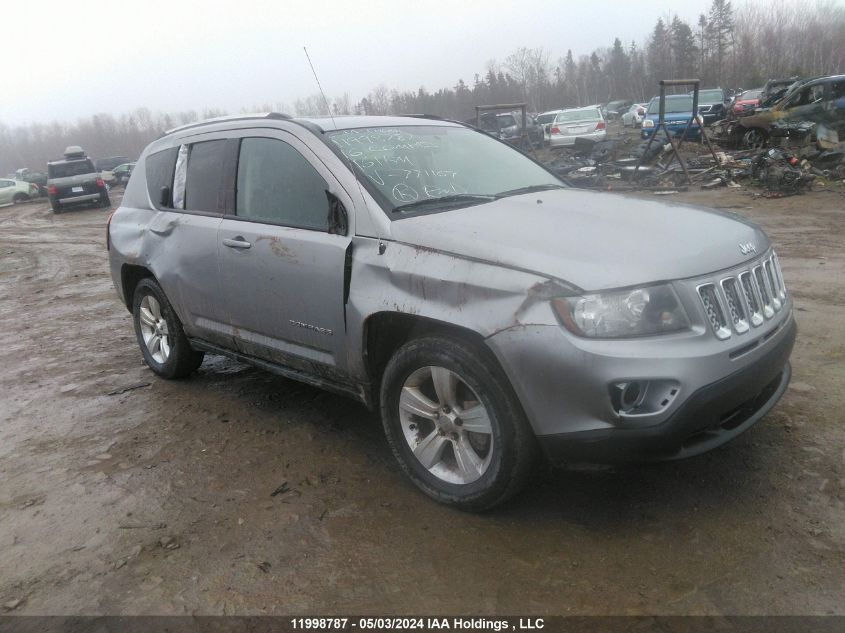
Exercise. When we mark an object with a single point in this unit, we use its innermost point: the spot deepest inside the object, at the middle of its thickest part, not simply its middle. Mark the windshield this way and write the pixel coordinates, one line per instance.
(708, 96)
(542, 119)
(76, 168)
(674, 104)
(414, 164)
(750, 94)
(578, 115)
(506, 120)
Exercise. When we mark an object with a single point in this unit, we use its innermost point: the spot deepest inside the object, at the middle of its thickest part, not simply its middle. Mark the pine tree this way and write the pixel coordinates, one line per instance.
(720, 31)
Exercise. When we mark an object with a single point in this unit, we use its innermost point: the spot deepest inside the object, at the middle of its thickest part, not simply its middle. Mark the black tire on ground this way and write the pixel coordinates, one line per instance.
(20, 197)
(105, 201)
(56, 206)
(513, 453)
(183, 360)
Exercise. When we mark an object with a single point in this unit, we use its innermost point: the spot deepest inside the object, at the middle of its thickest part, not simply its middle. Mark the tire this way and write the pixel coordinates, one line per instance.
(105, 201)
(20, 197)
(154, 318)
(754, 138)
(503, 447)
(56, 207)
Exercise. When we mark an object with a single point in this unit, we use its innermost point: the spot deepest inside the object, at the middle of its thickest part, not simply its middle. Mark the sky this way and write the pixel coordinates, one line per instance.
(73, 58)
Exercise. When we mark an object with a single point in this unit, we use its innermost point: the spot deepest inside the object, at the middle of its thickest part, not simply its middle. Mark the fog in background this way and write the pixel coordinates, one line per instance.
(114, 76)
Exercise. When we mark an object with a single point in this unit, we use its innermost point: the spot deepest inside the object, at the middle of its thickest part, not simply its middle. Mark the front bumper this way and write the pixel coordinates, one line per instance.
(693, 133)
(710, 417)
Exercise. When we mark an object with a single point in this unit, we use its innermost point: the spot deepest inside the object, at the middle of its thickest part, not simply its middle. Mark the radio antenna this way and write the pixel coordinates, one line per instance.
(322, 92)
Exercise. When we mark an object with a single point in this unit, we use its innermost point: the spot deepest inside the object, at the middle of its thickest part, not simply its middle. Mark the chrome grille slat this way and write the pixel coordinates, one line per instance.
(752, 298)
(763, 291)
(714, 309)
(744, 300)
(736, 306)
(773, 285)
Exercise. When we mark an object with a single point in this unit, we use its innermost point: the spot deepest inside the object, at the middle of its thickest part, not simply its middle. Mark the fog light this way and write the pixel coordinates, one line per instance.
(627, 396)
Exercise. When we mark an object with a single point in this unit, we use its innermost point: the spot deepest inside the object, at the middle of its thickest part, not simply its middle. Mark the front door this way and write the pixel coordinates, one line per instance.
(282, 270)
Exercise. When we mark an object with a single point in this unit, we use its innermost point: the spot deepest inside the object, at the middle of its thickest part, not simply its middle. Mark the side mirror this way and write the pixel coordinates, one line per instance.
(164, 196)
(338, 217)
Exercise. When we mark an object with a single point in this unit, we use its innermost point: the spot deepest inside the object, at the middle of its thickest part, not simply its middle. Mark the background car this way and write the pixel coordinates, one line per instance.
(615, 109)
(745, 101)
(507, 126)
(39, 178)
(122, 172)
(586, 123)
(712, 105)
(635, 115)
(819, 100)
(677, 116)
(16, 191)
(75, 180)
(545, 120)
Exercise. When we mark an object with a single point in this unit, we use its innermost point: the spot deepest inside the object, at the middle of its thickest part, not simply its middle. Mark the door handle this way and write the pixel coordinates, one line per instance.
(238, 242)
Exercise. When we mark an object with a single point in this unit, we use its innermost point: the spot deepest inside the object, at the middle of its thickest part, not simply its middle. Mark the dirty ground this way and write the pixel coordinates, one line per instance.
(237, 491)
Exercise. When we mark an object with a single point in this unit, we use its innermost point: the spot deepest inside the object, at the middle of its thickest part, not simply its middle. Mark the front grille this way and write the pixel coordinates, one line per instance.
(745, 300)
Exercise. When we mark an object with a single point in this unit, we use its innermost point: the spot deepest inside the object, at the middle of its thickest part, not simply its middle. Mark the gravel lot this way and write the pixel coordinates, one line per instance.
(123, 493)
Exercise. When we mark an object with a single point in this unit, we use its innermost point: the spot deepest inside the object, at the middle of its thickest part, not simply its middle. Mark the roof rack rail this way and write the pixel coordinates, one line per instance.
(232, 117)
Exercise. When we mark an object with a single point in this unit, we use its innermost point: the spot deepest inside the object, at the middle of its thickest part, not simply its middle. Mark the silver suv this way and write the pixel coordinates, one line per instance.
(442, 277)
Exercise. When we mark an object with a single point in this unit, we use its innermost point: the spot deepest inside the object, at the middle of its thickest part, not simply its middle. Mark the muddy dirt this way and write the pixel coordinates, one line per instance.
(124, 493)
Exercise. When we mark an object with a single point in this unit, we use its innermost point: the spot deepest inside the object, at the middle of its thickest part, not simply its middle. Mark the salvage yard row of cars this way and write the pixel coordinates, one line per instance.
(744, 119)
(74, 179)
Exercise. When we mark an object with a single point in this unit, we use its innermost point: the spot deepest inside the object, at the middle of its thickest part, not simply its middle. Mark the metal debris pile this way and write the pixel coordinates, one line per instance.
(801, 155)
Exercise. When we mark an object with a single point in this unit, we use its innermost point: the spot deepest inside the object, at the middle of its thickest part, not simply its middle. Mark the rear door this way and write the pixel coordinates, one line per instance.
(282, 266)
(183, 236)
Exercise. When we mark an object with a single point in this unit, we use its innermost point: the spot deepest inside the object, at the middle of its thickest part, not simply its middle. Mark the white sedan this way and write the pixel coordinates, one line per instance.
(634, 116)
(15, 191)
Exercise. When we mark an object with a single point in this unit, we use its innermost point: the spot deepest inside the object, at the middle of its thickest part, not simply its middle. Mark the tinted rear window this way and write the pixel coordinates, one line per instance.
(159, 168)
(75, 168)
(203, 180)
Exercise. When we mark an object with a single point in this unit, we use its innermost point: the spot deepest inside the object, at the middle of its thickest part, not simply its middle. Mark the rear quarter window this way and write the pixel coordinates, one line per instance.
(159, 167)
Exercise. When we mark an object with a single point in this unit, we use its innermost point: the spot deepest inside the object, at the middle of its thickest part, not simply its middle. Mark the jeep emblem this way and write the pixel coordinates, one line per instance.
(747, 248)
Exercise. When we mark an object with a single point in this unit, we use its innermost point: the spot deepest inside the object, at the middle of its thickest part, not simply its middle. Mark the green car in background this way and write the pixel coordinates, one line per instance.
(15, 191)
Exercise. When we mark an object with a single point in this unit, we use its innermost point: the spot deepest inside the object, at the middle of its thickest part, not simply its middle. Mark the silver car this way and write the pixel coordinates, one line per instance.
(490, 314)
(587, 123)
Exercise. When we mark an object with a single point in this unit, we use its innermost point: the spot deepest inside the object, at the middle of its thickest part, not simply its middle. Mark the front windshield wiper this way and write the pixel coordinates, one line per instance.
(456, 198)
(531, 189)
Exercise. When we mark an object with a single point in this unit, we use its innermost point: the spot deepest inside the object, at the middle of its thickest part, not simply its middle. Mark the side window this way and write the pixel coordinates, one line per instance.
(204, 176)
(277, 184)
(159, 168)
(6, 183)
(837, 89)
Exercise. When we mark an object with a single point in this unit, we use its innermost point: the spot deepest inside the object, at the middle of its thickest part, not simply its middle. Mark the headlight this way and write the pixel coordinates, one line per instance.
(621, 313)
(648, 123)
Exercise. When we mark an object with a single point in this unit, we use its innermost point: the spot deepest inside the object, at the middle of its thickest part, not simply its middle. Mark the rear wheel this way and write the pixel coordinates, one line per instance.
(105, 201)
(754, 138)
(454, 424)
(56, 206)
(20, 197)
(160, 335)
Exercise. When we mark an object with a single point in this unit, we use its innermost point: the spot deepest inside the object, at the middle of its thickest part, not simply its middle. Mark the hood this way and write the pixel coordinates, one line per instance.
(589, 239)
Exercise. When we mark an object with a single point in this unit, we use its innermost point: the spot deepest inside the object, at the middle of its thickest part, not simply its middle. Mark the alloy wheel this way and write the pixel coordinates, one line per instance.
(154, 329)
(446, 426)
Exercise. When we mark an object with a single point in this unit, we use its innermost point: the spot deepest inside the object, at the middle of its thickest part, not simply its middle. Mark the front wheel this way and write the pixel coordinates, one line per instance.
(160, 335)
(19, 198)
(454, 423)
